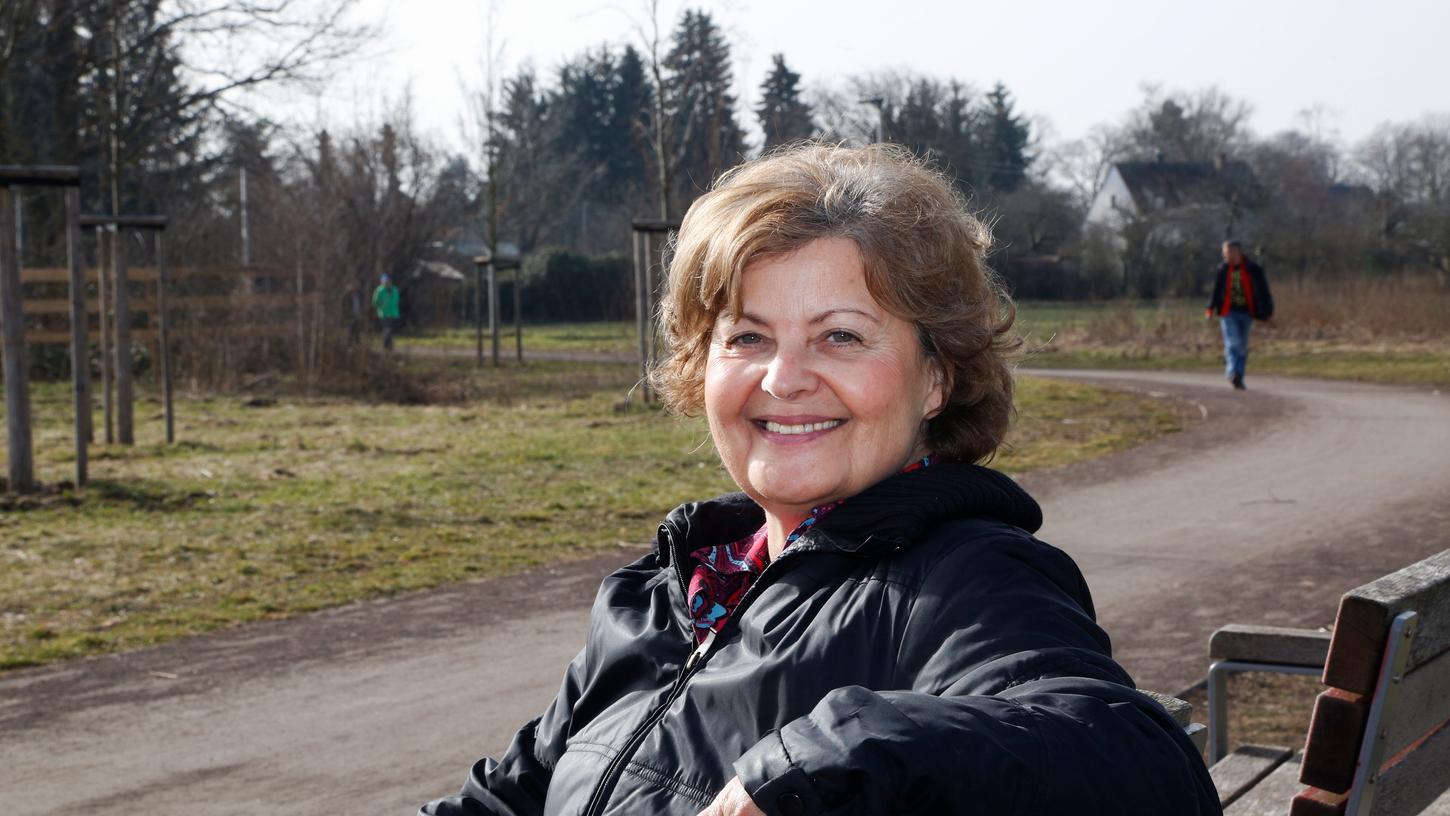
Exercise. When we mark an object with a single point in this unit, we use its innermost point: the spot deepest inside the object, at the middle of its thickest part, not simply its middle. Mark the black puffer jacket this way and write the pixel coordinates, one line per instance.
(917, 651)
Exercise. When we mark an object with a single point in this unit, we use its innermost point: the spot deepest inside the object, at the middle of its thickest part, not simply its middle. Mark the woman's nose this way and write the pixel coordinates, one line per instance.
(789, 374)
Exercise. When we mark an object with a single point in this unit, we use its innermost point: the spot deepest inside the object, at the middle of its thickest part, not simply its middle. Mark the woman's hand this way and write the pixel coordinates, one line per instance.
(732, 800)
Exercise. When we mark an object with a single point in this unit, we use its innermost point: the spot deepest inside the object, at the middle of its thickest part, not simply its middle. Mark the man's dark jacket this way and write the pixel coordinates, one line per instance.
(1260, 300)
(917, 651)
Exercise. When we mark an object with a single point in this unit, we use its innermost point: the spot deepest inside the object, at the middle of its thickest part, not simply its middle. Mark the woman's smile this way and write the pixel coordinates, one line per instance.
(801, 428)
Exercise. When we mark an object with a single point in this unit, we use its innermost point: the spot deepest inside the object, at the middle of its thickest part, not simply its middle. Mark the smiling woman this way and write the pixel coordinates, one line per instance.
(869, 625)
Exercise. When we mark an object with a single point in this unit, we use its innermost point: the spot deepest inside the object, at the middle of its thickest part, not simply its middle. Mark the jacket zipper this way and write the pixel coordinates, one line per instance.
(693, 664)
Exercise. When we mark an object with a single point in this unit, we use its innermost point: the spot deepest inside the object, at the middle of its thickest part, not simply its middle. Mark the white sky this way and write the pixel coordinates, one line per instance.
(1076, 63)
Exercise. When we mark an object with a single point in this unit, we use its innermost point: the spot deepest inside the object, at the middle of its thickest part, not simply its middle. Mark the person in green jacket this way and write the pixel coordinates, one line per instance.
(386, 299)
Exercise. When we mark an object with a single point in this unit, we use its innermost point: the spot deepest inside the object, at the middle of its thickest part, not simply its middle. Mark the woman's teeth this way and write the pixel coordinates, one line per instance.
(809, 427)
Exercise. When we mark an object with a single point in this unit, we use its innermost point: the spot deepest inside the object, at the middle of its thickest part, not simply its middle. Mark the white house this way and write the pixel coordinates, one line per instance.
(1221, 192)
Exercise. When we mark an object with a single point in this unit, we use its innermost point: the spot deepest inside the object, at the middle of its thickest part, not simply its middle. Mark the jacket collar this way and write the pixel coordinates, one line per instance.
(888, 516)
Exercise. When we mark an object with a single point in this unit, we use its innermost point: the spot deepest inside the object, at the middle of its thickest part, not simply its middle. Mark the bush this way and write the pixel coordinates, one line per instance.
(566, 286)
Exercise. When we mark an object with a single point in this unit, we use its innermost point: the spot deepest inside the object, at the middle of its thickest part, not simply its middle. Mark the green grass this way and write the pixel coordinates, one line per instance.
(1175, 335)
(273, 511)
(590, 338)
(1044, 321)
(1390, 366)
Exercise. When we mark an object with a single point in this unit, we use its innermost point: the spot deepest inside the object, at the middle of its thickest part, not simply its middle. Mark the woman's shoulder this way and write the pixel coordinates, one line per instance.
(983, 552)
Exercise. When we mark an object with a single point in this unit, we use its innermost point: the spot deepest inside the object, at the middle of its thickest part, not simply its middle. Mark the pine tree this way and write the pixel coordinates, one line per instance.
(784, 116)
(631, 103)
(537, 168)
(700, 79)
(917, 123)
(1004, 138)
(958, 147)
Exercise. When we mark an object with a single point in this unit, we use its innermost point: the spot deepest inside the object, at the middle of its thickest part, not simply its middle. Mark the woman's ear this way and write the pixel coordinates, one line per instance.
(941, 389)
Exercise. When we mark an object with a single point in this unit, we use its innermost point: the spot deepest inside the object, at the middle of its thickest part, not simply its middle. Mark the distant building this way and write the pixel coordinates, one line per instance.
(1218, 194)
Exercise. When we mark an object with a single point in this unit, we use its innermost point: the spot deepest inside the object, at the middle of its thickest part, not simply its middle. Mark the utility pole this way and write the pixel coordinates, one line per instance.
(880, 104)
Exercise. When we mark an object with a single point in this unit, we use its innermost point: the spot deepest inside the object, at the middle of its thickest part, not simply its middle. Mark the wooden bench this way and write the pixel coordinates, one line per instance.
(1379, 738)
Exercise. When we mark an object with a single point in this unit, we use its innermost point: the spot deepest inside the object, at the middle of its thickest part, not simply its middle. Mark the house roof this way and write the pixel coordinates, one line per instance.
(435, 269)
(1168, 185)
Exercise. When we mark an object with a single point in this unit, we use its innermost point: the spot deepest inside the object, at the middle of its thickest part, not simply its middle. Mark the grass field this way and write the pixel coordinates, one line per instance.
(282, 507)
(1305, 342)
(1389, 333)
(585, 338)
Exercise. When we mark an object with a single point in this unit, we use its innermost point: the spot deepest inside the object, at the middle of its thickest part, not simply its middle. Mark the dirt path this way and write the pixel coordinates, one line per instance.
(1267, 508)
(507, 354)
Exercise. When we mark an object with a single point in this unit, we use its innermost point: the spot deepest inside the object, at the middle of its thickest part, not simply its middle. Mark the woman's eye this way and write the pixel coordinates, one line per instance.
(841, 336)
(744, 339)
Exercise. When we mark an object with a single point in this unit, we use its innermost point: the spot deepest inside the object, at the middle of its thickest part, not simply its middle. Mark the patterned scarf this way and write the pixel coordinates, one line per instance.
(724, 572)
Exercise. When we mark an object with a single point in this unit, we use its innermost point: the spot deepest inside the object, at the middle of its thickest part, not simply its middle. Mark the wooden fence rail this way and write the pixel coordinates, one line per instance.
(57, 332)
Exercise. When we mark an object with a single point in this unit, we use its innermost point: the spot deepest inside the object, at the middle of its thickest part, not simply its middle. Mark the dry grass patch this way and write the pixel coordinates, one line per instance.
(1394, 331)
(1264, 709)
(297, 503)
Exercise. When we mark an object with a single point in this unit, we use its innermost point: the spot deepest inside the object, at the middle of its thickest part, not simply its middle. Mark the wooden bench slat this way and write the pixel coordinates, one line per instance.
(1439, 807)
(1272, 796)
(1245, 768)
(1335, 731)
(1365, 615)
(1410, 782)
(1424, 696)
(1316, 802)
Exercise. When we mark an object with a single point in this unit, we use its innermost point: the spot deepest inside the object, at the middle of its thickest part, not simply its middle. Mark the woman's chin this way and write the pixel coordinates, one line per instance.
(783, 494)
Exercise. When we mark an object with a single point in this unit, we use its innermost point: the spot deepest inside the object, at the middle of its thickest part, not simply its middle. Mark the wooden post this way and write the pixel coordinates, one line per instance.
(650, 300)
(493, 308)
(163, 345)
(125, 395)
(641, 318)
(518, 313)
(80, 347)
(478, 307)
(103, 273)
(17, 385)
(301, 351)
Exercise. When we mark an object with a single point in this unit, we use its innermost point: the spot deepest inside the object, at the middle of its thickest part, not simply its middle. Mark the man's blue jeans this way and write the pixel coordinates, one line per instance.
(1235, 327)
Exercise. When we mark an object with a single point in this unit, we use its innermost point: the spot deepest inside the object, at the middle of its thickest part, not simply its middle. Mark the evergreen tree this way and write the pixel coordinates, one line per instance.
(603, 102)
(631, 104)
(917, 123)
(784, 116)
(538, 168)
(709, 137)
(958, 148)
(1004, 138)
(585, 109)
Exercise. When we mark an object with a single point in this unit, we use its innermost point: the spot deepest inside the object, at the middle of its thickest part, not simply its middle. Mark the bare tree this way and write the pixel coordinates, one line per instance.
(481, 127)
(1082, 164)
(221, 48)
(1408, 165)
(1187, 126)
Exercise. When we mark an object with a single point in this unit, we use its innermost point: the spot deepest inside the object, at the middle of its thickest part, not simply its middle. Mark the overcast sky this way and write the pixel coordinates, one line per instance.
(1074, 63)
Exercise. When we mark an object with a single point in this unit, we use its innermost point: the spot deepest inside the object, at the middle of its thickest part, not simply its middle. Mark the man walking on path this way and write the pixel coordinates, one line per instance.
(386, 299)
(1240, 296)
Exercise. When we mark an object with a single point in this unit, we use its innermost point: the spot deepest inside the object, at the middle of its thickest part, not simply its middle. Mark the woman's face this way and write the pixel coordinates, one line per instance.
(815, 392)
